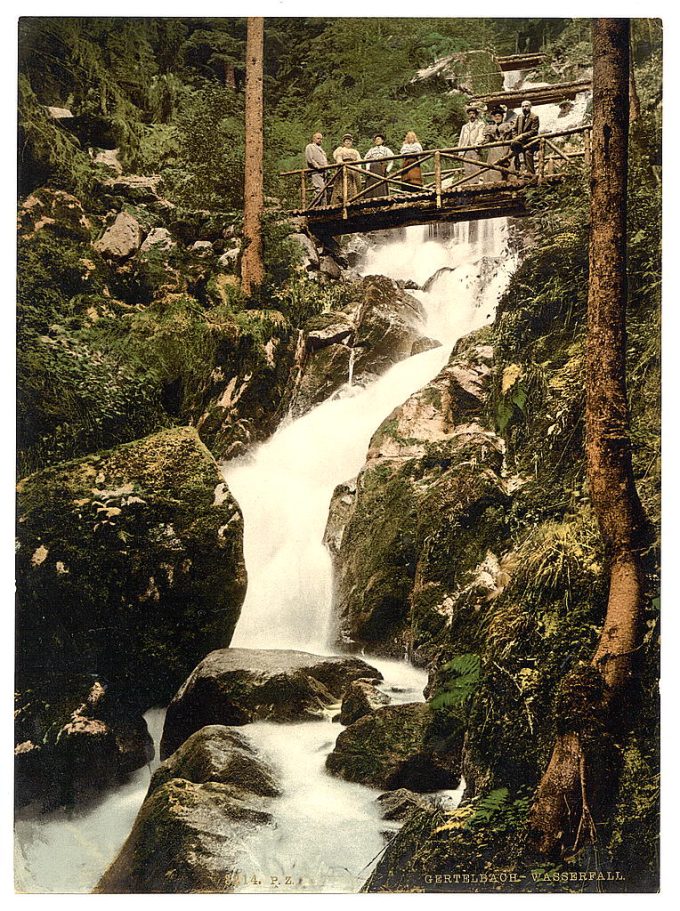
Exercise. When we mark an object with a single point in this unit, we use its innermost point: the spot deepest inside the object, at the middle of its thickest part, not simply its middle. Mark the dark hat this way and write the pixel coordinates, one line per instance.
(382, 135)
(347, 136)
(497, 110)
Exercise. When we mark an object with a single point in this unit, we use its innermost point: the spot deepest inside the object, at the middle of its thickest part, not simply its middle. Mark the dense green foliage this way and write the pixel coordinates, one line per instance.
(545, 623)
(107, 355)
(169, 92)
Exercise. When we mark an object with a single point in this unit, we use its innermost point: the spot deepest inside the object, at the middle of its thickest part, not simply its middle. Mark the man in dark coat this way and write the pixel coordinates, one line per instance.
(526, 129)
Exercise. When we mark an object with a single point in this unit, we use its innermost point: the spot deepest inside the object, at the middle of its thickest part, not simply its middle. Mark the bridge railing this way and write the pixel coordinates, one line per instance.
(441, 172)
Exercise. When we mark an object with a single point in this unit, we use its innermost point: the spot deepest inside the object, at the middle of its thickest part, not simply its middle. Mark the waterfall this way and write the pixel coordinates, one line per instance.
(326, 829)
(284, 488)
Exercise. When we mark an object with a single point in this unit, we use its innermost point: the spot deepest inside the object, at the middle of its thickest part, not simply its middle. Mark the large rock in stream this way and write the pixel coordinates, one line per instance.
(74, 738)
(238, 686)
(129, 564)
(398, 746)
(428, 505)
(375, 330)
(203, 804)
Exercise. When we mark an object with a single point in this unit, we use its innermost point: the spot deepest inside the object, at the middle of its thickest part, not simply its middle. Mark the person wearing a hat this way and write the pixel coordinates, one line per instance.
(526, 129)
(346, 154)
(497, 131)
(377, 166)
(472, 134)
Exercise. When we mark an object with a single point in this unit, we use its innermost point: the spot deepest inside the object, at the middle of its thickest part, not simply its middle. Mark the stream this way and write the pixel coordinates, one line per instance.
(327, 832)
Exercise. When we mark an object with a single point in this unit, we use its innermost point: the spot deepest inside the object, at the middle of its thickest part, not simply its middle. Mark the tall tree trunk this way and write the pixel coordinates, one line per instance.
(577, 783)
(252, 262)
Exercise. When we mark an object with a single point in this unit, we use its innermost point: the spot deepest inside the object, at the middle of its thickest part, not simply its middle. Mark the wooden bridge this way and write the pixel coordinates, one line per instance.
(458, 184)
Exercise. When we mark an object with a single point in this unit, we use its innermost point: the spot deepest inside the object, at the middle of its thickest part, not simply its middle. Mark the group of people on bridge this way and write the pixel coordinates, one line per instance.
(511, 137)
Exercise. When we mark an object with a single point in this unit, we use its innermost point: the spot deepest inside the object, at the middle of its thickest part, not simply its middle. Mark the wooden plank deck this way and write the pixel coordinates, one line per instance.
(501, 199)
(545, 94)
(512, 62)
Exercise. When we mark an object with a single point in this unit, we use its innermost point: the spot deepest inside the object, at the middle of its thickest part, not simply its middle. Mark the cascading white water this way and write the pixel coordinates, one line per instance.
(68, 850)
(284, 488)
(327, 831)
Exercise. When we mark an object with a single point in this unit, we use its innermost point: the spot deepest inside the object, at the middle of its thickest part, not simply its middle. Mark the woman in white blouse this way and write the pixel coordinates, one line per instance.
(410, 148)
(374, 156)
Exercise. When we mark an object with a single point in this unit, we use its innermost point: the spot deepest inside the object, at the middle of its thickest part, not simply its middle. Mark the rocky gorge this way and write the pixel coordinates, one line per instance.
(342, 532)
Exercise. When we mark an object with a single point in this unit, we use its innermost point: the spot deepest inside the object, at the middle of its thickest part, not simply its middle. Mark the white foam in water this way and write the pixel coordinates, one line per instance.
(68, 850)
(328, 832)
(285, 486)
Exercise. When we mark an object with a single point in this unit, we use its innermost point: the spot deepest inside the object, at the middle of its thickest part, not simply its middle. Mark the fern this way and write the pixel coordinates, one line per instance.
(463, 676)
(488, 806)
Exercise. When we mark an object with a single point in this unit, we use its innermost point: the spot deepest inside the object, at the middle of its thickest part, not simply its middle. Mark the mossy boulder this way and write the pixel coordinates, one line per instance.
(429, 504)
(398, 747)
(375, 330)
(74, 738)
(397, 805)
(203, 803)
(130, 564)
(187, 838)
(121, 239)
(389, 320)
(56, 211)
(237, 686)
(362, 697)
(217, 753)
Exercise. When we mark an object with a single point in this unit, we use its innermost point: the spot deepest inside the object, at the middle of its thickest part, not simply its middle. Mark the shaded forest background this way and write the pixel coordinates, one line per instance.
(169, 93)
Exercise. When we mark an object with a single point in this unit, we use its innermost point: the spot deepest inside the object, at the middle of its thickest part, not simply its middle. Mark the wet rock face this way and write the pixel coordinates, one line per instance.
(397, 747)
(220, 754)
(429, 503)
(371, 334)
(389, 321)
(237, 686)
(187, 838)
(397, 805)
(74, 737)
(130, 564)
(361, 698)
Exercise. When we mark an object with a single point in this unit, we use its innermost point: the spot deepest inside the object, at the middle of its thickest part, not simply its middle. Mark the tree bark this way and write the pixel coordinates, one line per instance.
(591, 713)
(635, 108)
(252, 262)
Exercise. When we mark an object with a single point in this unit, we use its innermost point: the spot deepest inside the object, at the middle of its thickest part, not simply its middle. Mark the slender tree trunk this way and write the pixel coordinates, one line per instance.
(582, 771)
(252, 262)
(230, 76)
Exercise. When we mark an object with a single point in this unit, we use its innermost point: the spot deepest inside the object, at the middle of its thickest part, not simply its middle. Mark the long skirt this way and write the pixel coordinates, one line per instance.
(495, 156)
(470, 165)
(414, 175)
(374, 187)
(353, 187)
